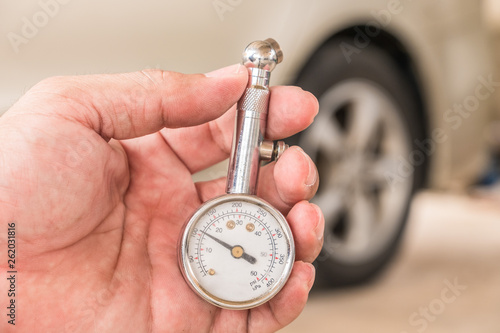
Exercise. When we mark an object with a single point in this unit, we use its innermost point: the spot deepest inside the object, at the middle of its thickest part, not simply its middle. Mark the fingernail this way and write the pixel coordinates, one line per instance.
(319, 230)
(312, 175)
(226, 71)
(311, 275)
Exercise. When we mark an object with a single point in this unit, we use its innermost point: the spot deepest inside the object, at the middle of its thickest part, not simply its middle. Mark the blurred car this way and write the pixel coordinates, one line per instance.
(404, 88)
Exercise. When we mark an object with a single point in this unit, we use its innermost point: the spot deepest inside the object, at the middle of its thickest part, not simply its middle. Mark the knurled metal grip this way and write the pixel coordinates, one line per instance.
(259, 58)
(255, 100)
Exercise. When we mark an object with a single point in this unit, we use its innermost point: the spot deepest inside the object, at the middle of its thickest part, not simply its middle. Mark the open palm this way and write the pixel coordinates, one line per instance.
(95, 171)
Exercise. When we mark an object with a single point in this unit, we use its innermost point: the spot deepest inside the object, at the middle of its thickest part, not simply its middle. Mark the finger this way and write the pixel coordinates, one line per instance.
(291, 179)
(291, 110)
(123, 106)
(287, 305)
(308, 224)
(211, 189)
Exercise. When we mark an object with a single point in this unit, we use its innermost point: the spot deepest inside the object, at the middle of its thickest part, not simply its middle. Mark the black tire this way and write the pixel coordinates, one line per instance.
(328, 74)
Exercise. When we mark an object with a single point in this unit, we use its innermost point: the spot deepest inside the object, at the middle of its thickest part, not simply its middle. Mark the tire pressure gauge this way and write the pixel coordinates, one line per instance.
(237, 251)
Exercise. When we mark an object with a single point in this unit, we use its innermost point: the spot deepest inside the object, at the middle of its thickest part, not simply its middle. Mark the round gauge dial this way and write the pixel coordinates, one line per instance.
(237, 251)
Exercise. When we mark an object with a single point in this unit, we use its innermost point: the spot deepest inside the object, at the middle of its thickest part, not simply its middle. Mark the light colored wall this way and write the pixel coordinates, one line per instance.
(492, 14)
(492, 19)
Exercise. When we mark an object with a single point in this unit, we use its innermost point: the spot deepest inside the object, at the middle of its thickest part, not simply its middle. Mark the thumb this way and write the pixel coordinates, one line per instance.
(123, 106)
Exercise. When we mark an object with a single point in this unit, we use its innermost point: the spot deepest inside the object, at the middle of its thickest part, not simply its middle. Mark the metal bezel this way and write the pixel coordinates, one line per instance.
(187, 269)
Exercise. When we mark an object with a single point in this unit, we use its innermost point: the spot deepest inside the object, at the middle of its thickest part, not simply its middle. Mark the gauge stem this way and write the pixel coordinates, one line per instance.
(259, 58)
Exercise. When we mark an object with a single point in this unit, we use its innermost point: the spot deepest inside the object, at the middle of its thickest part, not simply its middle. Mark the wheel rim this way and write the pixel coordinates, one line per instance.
(358, 142)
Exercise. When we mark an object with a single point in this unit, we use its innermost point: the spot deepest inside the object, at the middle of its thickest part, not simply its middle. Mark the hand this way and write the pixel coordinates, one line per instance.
(95, 171)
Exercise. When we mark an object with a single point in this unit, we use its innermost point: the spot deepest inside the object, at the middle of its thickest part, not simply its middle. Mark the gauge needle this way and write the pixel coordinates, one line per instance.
(237, 251)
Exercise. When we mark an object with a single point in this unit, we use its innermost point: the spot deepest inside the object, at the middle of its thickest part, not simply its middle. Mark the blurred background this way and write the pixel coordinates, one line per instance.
(406, 140)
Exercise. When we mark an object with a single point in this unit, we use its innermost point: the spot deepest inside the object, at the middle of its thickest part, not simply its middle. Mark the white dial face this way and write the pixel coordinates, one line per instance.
(238, 252)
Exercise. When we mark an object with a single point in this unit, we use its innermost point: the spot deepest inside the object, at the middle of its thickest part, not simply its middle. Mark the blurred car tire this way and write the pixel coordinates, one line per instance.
(363, 142)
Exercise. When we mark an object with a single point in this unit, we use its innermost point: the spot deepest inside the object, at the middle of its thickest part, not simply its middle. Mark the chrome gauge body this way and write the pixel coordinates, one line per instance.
(237, 251)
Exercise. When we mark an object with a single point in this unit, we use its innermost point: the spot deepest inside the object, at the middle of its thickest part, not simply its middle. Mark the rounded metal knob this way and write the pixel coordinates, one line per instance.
(262, 54)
